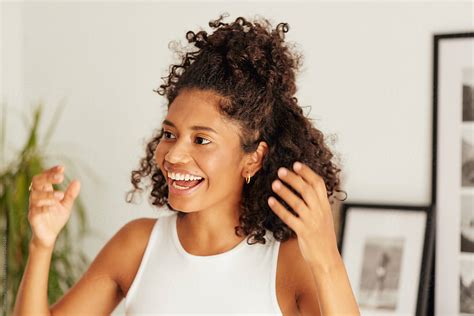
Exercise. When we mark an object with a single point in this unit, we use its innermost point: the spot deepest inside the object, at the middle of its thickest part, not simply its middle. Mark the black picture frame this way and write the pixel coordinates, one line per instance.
(426, 256)
(444, 294)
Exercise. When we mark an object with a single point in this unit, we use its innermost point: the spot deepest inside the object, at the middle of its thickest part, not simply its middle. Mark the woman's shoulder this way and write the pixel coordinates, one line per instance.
(133, 233)
(134, 236)
(138, 228)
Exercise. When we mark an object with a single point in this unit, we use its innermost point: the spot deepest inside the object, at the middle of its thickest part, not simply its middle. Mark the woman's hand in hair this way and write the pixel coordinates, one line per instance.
(314, 227)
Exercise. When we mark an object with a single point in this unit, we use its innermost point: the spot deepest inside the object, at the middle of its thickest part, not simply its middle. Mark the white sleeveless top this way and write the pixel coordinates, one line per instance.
(173, 281)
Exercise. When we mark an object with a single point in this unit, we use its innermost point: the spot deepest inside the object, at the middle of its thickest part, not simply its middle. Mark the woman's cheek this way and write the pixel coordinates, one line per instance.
(159, 154)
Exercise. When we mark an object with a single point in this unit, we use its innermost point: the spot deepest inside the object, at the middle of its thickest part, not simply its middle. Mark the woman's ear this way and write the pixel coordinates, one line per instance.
(254, 160)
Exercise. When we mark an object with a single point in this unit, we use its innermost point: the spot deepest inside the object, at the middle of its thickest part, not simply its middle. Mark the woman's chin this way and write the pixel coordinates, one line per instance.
(179, 205)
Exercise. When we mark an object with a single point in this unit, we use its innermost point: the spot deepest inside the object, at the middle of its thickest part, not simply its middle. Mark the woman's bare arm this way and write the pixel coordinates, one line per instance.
(32, 294)
(95, 293)
(98, 291)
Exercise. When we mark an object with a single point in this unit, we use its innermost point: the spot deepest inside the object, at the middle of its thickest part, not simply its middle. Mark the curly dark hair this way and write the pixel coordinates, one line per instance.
(253, 70)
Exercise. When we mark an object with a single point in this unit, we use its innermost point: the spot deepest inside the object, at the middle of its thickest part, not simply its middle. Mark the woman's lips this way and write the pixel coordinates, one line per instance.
(177, 191)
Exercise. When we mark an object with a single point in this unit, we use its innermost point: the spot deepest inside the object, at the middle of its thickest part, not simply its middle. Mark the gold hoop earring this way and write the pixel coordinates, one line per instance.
(247, 179)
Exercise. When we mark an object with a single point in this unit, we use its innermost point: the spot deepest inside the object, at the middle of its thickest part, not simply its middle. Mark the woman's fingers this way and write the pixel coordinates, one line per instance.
(71, 193)
(42, 198)
(45, 180)
(43, 195)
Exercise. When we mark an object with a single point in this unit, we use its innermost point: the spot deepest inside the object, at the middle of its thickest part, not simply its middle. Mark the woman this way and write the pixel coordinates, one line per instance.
(247, 178)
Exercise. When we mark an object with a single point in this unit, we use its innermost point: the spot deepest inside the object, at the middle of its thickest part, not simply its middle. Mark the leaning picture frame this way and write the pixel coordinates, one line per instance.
(387, 251)
(453, 172)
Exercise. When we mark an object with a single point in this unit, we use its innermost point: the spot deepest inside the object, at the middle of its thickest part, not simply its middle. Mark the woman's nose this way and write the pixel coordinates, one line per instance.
(177, 154)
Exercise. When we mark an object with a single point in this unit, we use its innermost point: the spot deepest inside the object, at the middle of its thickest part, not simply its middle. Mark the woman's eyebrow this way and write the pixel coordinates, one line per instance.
(194, 128)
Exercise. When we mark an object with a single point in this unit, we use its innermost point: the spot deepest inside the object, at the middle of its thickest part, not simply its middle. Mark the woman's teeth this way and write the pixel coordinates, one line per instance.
(186, 177)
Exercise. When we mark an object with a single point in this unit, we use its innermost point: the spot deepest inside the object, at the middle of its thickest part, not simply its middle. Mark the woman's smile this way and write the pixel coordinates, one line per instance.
(184, 187)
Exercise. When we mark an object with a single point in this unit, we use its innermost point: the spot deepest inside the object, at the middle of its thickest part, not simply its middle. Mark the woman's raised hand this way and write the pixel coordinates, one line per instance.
(49, 210)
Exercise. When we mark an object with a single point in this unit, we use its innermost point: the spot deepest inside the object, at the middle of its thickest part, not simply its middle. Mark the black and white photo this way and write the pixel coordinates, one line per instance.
(380, 273)
(386, 250)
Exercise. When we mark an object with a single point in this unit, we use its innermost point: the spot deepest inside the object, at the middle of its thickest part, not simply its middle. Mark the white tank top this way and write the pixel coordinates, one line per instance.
(171, 280)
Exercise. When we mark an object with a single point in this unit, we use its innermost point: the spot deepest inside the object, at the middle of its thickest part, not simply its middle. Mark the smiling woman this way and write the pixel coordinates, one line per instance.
(248, 180)
(234, 122)
(245, 72)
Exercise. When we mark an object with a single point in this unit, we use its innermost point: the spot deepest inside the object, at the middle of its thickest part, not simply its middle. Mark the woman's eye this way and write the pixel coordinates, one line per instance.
(166, 134)
(199, 140)
(202, 138)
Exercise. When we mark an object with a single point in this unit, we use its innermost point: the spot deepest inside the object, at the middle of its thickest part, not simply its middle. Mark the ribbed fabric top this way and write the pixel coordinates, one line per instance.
(173, 281)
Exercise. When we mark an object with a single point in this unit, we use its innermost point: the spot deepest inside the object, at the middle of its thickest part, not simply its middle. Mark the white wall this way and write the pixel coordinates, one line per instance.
(367, 75)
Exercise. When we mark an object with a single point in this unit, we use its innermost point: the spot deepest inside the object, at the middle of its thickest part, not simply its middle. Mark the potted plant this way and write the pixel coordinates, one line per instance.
(67, 263)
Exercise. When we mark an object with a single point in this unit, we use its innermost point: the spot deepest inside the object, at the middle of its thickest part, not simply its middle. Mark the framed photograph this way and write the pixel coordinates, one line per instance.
(387, 251)
(453, 172)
